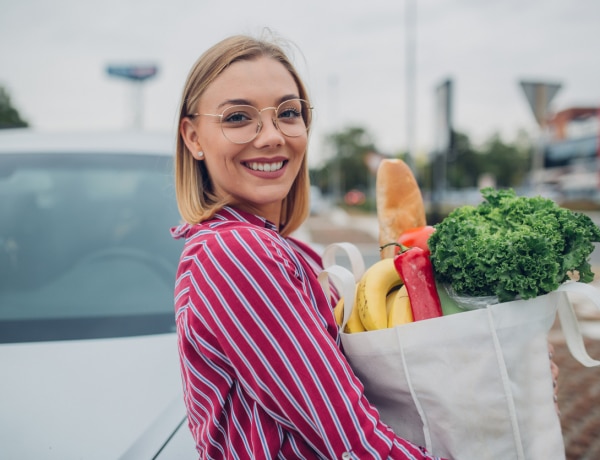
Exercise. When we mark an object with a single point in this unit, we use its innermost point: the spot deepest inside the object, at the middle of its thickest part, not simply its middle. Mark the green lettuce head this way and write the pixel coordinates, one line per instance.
(511, 246)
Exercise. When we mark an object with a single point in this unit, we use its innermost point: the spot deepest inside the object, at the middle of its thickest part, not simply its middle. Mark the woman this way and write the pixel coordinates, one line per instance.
(262, 370)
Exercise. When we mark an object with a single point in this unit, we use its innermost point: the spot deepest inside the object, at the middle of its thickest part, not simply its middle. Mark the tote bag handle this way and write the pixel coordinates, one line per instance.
(357, 262)
(344, 279)
(569, 323)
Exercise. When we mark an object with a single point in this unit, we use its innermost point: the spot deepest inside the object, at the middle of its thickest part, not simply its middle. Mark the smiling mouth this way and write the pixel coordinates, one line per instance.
(266, 167)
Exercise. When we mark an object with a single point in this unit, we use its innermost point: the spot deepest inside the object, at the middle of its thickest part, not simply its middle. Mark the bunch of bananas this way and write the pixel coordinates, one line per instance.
(381, 300)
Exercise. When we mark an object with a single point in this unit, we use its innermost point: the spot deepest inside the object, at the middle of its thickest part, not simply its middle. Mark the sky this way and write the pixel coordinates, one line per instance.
(369, 64)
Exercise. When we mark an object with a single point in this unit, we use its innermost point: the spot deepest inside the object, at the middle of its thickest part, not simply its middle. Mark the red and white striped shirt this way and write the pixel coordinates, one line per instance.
(263, 373)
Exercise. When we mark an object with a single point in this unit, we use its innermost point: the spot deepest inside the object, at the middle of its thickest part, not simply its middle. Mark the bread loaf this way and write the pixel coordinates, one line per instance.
(399, 202)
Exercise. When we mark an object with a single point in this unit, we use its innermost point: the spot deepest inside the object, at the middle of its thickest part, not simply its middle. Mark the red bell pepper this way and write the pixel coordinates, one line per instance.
(414, 267)
(416, 237)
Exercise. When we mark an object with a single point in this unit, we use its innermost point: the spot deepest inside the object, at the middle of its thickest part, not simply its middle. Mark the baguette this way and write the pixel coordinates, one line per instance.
(399, 202)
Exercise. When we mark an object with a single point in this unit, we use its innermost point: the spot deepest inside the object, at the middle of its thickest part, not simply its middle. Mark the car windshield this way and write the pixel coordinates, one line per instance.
(85, 248)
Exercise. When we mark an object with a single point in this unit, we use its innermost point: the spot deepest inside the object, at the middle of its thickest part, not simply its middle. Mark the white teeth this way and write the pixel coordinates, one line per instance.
(268, 167)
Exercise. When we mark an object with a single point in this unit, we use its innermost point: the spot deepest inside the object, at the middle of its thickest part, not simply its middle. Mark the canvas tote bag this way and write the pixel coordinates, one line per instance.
(472, 385)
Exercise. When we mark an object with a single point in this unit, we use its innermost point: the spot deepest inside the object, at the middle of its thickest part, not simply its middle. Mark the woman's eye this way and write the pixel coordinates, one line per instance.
(289, 113)
(237, 117)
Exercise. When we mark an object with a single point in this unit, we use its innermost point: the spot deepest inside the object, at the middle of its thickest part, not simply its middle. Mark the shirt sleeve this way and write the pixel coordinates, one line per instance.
(272, 325)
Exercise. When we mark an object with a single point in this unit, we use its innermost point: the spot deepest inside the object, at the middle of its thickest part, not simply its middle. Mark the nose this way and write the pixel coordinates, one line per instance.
(269, 132)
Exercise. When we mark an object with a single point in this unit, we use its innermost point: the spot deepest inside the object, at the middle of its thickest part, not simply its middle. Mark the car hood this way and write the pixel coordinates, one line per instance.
(89, 399)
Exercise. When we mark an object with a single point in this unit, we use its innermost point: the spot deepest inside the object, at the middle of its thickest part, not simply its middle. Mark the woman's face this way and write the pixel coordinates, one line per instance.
(258, 174)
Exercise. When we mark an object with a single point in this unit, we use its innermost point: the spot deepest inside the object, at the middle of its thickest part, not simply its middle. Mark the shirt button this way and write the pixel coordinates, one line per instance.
(346, 455)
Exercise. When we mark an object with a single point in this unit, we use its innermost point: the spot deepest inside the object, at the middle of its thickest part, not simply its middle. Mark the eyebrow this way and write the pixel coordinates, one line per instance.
(287, 97)
(233, 102)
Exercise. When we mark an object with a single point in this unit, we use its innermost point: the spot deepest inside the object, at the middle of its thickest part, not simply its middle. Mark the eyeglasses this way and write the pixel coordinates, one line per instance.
(241, 124)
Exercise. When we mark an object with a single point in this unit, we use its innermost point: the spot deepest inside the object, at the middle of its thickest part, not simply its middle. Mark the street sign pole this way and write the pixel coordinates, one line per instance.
(539, 95)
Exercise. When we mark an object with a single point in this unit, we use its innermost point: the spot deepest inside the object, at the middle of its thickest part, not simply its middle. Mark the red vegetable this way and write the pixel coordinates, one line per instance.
(415, 269)
(416, 237)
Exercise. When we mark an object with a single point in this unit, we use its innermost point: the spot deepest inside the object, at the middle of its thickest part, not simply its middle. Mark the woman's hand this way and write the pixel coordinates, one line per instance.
(555, 371)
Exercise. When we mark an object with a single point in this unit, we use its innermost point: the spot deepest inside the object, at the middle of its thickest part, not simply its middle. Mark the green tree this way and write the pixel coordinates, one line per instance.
(9, 116)
(465, 163)
(347, 169)
(508, 163)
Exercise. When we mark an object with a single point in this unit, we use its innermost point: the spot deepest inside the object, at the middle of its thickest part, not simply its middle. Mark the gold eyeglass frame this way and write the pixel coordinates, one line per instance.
(260, 122)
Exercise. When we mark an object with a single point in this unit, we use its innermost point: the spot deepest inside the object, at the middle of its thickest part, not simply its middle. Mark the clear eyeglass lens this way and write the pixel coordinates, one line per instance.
(241, 123)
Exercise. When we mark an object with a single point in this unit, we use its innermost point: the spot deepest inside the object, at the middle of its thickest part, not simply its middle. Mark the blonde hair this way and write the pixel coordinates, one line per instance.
(193, 188)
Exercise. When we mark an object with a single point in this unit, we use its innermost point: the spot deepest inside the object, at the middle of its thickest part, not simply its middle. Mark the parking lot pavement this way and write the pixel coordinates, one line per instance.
(578, 386)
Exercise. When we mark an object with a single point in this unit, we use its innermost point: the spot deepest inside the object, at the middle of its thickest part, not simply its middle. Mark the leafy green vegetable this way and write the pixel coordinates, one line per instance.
(512, 246)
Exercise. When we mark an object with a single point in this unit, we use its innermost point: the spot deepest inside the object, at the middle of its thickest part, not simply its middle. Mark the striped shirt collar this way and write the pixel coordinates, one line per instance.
(227, 213)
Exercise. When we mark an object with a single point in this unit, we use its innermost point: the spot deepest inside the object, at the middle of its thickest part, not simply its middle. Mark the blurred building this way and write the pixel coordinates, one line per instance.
(572, 152)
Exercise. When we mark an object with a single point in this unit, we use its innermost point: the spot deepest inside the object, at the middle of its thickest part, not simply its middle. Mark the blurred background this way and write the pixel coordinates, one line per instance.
(470, 94)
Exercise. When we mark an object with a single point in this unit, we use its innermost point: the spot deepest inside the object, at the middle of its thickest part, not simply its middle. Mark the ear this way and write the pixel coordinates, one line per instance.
(189, 134)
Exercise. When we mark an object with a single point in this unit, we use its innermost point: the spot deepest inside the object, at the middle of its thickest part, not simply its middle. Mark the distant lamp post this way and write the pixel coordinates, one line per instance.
(410, 27)
(137, 74)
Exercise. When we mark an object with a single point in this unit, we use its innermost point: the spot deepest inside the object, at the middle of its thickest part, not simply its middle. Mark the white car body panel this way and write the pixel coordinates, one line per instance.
(43, 382)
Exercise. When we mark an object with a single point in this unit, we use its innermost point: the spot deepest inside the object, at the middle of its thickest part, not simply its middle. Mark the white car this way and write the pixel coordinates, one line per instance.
(88, 352)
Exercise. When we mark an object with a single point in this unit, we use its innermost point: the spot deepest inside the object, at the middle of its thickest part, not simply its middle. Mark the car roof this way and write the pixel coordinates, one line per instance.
(26, 140)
